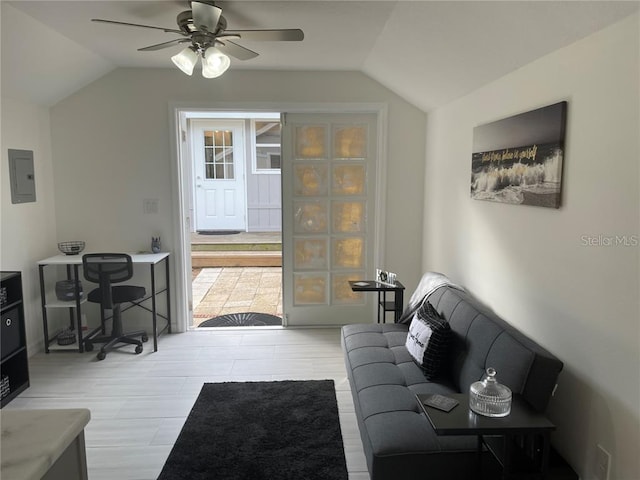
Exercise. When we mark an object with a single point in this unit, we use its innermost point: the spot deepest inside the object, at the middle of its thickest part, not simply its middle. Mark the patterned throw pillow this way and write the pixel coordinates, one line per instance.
(428, 340)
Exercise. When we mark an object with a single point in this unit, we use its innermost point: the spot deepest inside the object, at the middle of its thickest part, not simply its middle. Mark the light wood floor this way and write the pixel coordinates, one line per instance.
(139, 403)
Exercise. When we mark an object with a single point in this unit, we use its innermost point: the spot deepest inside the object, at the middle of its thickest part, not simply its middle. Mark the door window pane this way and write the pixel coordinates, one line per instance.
(349, 179)
(348, 217)
(310, 288)
(310, 180)
(310, 253)
(341, 290)
(350, 142)
(310, 217)
(348, 252)
(222, 137)
(310, 142)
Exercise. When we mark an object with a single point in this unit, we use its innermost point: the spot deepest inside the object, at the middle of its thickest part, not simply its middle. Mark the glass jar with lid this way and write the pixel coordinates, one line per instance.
(490, 398)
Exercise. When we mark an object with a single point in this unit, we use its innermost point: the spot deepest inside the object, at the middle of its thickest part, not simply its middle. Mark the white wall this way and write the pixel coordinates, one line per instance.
(111, 150)
(28, 230)
(47, 66)
(531, 264)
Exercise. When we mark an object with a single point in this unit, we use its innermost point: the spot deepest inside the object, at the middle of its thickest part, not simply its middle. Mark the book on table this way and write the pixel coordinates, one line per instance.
(435, 400)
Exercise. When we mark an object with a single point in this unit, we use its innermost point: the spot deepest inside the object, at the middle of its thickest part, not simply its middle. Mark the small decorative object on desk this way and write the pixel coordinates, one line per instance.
(155, 244)
(490, 398)
(71, 248)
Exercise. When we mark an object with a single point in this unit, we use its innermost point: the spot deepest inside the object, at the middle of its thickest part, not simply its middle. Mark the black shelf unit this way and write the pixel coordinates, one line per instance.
(14, 365)
(49, 300)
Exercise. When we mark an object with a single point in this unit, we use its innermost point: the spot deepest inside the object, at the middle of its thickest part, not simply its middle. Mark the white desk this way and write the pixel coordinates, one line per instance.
(44, 444)
(73, 264)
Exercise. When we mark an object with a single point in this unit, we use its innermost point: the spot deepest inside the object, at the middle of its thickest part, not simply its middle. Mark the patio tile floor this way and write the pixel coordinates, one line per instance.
(221, 290)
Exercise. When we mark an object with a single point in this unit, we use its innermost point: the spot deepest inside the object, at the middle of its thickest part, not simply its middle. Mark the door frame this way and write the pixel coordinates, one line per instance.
(182, 175)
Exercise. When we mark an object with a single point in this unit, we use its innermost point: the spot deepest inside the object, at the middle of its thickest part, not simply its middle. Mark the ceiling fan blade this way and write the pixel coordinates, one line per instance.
(205, 16)
(235, 50)
(160, 46)
(228, 36)
(284, 35)
(168, 30)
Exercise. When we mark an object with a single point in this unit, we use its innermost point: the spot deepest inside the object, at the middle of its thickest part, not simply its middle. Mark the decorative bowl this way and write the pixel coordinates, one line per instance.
(66, 337)
(71, 248)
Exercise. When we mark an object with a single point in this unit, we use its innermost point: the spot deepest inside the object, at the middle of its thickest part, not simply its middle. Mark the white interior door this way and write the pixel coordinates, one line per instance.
(329, 223)
(219, 163)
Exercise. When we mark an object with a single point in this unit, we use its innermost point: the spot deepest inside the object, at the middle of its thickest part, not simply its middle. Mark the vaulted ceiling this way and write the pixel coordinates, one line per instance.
(428, 52)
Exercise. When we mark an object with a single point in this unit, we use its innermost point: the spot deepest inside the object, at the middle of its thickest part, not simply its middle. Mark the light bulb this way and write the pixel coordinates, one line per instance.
(186, 60)
(214, 63)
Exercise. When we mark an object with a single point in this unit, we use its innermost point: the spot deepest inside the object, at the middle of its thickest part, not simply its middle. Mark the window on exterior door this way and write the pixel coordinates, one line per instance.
(218, 154)
(267, 137)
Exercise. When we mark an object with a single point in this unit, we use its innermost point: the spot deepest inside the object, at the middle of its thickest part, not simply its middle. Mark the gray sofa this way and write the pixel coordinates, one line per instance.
(398, 440)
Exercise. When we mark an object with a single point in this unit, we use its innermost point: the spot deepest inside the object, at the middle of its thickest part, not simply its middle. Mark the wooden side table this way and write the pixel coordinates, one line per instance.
(384, 306)
(497, 433)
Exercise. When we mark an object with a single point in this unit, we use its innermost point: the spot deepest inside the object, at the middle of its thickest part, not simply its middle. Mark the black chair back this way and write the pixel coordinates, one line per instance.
(105, 269)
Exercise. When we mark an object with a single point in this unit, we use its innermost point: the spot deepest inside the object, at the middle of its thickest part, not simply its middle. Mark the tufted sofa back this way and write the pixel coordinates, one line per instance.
(482, 340)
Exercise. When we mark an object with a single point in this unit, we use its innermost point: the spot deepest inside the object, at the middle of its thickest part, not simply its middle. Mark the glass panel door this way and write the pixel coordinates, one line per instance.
(329, 167)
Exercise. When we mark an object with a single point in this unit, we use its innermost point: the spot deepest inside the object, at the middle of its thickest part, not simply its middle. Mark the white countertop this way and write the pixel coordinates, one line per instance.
(32, 440)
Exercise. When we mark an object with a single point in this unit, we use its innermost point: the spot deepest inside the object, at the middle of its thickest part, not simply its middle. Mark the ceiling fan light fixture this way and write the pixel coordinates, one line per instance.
(186, 60)
(214, 63)
(203, 26)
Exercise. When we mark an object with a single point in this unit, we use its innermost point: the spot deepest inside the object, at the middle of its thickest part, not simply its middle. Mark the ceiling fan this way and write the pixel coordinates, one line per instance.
(205, 29)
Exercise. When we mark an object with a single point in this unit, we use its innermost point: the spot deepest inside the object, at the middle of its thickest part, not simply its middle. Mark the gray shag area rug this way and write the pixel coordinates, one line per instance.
(286, 430)
(244, 319)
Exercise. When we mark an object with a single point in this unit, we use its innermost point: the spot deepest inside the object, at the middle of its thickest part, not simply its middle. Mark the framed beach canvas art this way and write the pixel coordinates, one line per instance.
(518, 159)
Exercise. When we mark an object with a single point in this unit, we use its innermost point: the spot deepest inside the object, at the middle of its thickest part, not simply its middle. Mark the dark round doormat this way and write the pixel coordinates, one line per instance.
(244, 319)
(218, 232)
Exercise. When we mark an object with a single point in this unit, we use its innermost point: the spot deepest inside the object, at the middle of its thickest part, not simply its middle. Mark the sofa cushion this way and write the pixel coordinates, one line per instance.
(428, 340)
